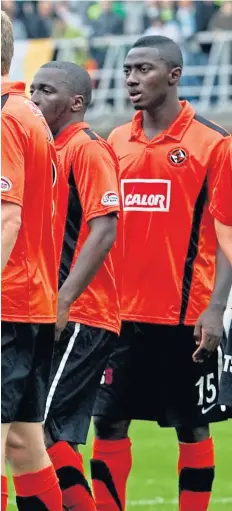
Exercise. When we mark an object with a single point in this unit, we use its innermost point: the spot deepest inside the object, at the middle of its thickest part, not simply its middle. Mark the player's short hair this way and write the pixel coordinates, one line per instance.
(77, 78)
(7, 43)
(167, 48)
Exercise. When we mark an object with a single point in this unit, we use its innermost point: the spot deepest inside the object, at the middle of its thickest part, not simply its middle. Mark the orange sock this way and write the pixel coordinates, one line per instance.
(4, 493)
(110, 468)
(70, 471)
(196, 474)
(38, 491)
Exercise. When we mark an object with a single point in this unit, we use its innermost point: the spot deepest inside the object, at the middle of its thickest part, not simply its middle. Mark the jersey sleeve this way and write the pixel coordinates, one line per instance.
(111, 141)
(14, 147)
(220, 182)
(94, 169)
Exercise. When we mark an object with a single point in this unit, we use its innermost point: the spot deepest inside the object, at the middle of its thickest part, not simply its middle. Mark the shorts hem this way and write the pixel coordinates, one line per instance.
(163, 424)
(59, 436)
(191, 424)
(32, 420)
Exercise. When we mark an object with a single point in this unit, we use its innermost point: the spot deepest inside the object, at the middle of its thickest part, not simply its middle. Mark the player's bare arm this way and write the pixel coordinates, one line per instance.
(224, 236)
(10, 225)
(209, 327)
(96, 247)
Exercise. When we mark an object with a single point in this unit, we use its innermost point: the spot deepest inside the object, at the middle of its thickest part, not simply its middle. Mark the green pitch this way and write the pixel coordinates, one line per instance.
(153, 482)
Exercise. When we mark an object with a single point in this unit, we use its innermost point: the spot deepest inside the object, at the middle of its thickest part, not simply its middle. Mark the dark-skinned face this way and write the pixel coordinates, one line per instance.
(148, 78)
(50, 92)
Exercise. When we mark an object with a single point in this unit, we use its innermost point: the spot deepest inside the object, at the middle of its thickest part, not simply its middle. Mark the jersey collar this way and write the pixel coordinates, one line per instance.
(13, 88)
(175, 131)
(68, 132)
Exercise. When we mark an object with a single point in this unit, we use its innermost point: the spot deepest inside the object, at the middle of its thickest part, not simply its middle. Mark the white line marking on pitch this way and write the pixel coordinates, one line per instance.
(160, 501)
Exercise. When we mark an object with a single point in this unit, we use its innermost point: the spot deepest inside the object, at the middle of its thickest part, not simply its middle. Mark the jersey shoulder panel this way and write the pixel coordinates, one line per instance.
(211, 129)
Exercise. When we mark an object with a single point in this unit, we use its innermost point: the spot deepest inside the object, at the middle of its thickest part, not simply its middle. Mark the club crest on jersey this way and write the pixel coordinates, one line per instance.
(110, 199)
(6, 184)
(146, 194)
(178, 156)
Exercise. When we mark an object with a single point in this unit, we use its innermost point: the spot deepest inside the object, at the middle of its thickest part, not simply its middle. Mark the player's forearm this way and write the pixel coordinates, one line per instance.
(9, 234)
(224, 235)
(91, 257)
(223, 280)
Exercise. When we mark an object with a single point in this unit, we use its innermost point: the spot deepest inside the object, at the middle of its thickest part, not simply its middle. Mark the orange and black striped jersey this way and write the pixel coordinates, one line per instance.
(90, 191)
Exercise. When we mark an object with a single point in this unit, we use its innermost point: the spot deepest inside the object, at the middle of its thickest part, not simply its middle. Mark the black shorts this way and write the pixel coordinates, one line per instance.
(79, 361)
(151, 376)
(27, 351)
(225, 394)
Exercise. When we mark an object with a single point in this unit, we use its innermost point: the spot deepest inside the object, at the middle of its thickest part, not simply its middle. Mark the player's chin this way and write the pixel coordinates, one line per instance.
(137, 102)
(139, 105)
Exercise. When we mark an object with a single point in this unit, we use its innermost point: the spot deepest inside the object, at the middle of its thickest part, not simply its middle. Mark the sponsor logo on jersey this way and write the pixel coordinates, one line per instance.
(178, 156)
(146, 194)
(110, 199)
(6, 184)
(37, 112)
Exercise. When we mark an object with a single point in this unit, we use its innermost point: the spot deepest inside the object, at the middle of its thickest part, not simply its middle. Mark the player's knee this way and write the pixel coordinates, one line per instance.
(14, 447)
(21, 450)
(192, 435)
(14, 444)
(110, 430)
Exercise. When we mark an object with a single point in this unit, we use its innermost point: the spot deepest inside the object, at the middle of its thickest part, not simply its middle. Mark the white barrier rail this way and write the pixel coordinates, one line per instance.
(213, 79)
(208, 82)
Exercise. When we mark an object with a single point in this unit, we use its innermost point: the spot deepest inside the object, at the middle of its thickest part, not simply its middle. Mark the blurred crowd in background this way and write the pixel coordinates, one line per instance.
(180, 20)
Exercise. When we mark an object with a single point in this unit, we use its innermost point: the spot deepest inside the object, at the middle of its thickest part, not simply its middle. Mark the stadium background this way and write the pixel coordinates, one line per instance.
(97, 35)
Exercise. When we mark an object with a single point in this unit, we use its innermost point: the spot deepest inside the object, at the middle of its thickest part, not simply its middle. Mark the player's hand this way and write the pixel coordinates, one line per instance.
(62, 319)
(208, 332)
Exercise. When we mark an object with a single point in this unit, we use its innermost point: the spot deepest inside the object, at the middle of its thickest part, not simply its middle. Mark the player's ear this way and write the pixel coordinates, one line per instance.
(77, 103)
(174, 75)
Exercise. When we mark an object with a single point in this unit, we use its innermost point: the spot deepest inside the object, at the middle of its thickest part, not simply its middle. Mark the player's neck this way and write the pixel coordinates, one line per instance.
(5, 79)
(160, 118)
(75, 120)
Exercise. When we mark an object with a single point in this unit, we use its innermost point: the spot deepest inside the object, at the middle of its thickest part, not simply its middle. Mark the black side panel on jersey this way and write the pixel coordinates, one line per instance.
(192, 249)
(211, 125)
(4, 99)
(72, 229)
(73, 223)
